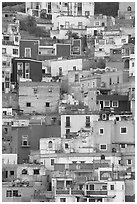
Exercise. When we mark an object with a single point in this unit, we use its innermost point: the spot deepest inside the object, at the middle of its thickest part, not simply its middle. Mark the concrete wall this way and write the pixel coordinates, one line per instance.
(76, 122)
(66, 65)
(46, 93)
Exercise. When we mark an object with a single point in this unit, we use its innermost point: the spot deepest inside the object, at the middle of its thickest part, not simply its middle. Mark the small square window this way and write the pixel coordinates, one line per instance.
(3, 50)
(15, 51)
(103, 147)
(104, 187)
(91, 187)
(47, 104)
(114, 103)
(52, 162)
(28, 104)
(62, 199)
(11, 173)
(123, 146)
(106, 103)
(123, 130)
(66, 146)
(36, 171)
(112, 187)
(15, 193)
(101, 131)
(129, 162)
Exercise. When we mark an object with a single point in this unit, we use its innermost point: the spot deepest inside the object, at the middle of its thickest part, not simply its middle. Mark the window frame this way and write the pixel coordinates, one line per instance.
(124, 132)
(128, 162)
(24, 138)
(27, 48)
(111, 187)
(105, 105)
(113, 104)
(101, 129)
(8, 193)
(28, 106)
(101, 148)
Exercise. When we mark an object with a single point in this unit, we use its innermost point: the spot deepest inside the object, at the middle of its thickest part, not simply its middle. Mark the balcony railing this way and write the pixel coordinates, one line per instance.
(62, 191)
(7, 42)
(96, 192)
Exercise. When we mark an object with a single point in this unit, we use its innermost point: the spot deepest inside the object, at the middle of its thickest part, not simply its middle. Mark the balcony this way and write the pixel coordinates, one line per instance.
(69, 192)
(96, 192)
(7, 42)
(62, 191)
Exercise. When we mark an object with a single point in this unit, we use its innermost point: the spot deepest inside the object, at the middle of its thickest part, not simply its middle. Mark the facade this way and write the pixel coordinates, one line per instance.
(126, 10)
(39, 97)
(26, 69)
(29, 49)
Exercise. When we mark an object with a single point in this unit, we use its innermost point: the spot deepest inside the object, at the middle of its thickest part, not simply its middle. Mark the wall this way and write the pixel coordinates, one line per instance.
(33, 44)
(44, 145)
(119, 191)
(9, 50)
(76, 122)
(45, 92)
(66, 65)
(9, 158)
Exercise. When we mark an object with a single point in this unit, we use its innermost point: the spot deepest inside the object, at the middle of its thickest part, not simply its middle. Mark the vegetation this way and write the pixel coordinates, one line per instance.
(107, 8)
(29, 24)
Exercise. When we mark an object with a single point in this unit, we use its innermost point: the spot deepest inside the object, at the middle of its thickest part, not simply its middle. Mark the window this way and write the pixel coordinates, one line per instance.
(60, 71)
(76, 77)
(28, 52)
(101, 131)
(123, 146)
(129, 8)
(104, 187)
(106, 103)
(129, 162)
(132, 64)
(8, 193)
(47, 104)
(74, 68)
(16, 39)
(7, 85)
(87, 13)
(100, 49)
(118, 80)
(62, 199)
(67, 131)
(91, 187)
(3, 50)
(15, 193)
(79, 25)
(28, 104)
(11, 173)
(110, 81)
(87, 187)
(123, 130)
(87, 121)
(103, 147)
(97, 23)
(24, 140)
(24, 171)
(52, 162)
(74, 162)
(50, 144)
(82, 162)
(36, 171)
(15, 51)
(67, 24)
(27, 70)
(20, 69)
(114, 103)
(67, 121)
(66, 146)
(111, 187)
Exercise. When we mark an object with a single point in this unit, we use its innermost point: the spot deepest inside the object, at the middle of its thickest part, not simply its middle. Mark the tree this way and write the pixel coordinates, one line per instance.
(101, 63)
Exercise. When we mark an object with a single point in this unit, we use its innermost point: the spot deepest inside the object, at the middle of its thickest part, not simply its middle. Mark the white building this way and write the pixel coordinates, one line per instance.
(74, 122)
(9, 158)
(62, 66)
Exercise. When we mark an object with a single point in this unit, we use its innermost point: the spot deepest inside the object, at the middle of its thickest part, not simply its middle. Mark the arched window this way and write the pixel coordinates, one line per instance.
(50, 144)
(129, 8)
(24, 171)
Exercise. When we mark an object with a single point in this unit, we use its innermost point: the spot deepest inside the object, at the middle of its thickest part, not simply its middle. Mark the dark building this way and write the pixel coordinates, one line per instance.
(114, 102)
(63, 50)
(27, 69)
(29, 49)
(27, 138)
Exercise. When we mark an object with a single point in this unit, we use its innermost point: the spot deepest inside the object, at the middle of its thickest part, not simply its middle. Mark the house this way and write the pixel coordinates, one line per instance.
(113, 101)
(39, 97)
(9, 158)
(69, 124)
(109, 191)
(114, 77)
(29, 49)
(75, 76)
(26, 138)
(127, 51)
(27, 69)
(126, 10)
(61, 67)
(63, 24)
